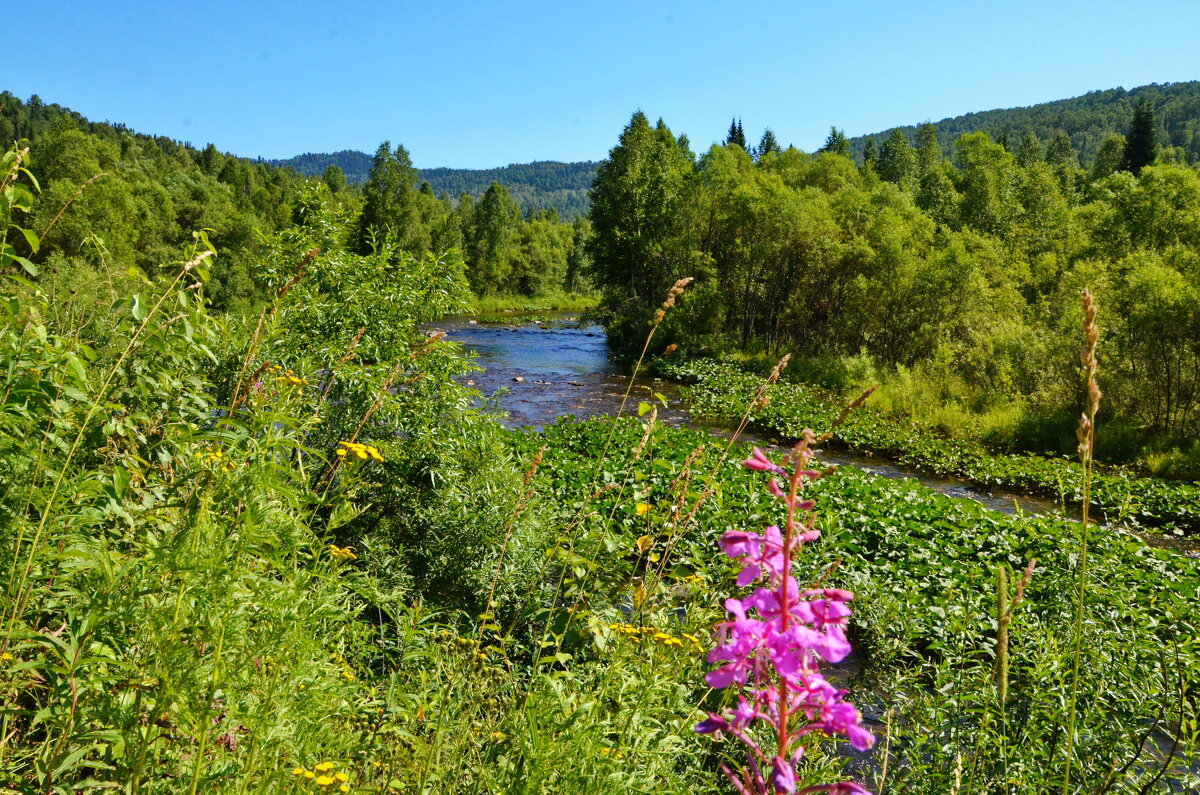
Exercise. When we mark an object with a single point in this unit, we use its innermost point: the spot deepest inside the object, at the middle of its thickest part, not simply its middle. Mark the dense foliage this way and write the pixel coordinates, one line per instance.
(953, 282)
(1087, 122)
(111, 198)
(537, 186)
(354, 165)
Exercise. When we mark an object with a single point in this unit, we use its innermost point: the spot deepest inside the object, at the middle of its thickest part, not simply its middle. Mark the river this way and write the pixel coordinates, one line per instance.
(539, 370)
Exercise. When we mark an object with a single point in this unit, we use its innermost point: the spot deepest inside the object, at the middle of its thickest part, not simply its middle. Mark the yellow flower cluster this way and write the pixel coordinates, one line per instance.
(655, 634)
(615, 753)
(342, 553)
(287, 376)
(323, 776)
(362, 451)
(215, 458)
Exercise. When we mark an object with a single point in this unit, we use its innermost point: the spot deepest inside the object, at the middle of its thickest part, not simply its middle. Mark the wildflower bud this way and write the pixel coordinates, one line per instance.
(670, 349)
(783, 778)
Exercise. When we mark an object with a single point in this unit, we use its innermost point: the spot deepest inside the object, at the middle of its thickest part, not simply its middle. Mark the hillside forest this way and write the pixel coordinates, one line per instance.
(135, 198)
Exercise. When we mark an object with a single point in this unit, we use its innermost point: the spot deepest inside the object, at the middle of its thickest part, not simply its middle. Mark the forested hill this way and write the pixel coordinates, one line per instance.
(541, 185)
(1088, 120)
(355, 165)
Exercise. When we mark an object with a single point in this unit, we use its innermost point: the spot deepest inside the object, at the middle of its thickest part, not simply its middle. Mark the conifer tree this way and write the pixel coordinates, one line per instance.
(870, 157)
(1141, 144)
(736, 134)
(636, 200)
(389, 197)
(768, 144)
(836, 142)
(929, 151)
(496, 219)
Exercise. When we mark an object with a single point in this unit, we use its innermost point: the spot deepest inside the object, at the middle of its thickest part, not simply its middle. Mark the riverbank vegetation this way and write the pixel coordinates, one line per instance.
(721, 392)
(950, 280)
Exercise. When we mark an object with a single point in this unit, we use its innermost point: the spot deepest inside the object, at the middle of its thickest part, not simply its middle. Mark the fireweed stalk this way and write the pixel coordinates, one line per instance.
(777, 648)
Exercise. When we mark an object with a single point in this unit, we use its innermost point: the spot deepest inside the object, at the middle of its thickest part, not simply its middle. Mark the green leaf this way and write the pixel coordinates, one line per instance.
(29, 267)
(121, 480)
(31, 238)
(643, 407)
(77, 371)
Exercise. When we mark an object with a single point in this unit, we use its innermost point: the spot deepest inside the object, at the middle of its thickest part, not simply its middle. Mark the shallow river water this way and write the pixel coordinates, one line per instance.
(538, 371)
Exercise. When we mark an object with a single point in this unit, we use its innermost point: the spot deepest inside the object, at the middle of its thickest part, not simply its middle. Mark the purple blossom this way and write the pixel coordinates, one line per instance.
(783, 777)
(775, 640)
(759, 461)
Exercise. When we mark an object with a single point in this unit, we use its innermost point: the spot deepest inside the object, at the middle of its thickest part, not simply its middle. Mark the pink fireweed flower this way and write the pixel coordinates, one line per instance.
(775, 640)
(759, 461)
(757, 552)
(783, 777)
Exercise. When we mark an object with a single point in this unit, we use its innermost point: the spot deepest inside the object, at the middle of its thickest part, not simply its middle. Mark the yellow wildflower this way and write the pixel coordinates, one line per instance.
(343, 788)
(324, 781)
(341, 777)
(309, 774)
(642, 507)
(298, 771)
(324, 766)
(342, 553)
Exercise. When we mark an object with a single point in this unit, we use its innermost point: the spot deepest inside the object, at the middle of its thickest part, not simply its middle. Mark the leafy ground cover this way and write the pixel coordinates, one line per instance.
(723, 391)
(924, 568)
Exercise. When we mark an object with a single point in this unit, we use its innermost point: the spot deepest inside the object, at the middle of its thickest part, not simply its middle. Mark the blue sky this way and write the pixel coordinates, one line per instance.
(476, 85)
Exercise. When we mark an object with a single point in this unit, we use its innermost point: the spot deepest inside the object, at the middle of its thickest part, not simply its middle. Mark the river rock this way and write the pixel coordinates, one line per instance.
(518, 379)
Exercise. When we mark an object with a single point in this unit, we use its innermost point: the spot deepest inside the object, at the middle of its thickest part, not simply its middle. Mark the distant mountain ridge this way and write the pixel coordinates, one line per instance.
(1088, 119)
(541, 185)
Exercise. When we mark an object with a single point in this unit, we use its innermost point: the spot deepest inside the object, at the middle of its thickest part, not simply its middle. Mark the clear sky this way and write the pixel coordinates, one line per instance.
(476, 85)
